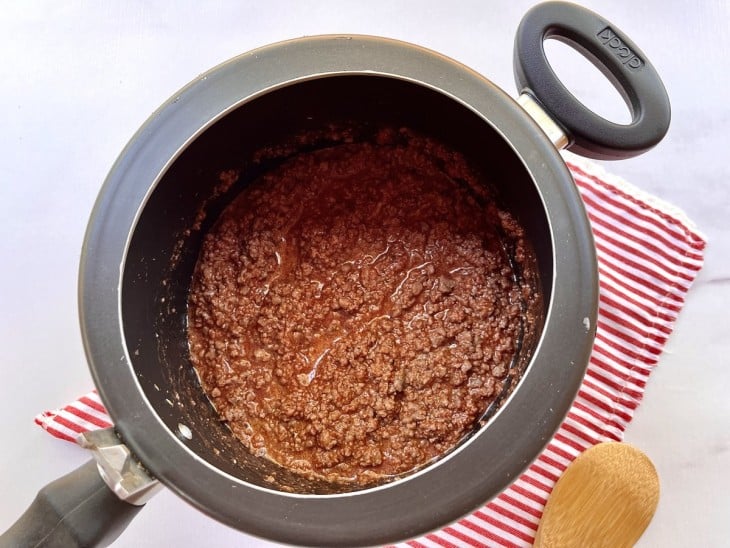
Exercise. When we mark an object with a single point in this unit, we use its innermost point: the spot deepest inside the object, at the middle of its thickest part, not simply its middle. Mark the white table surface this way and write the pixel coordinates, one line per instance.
(78, 78)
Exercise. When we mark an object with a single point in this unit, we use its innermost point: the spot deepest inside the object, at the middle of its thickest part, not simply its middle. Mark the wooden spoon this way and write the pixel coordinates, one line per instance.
(606, 497)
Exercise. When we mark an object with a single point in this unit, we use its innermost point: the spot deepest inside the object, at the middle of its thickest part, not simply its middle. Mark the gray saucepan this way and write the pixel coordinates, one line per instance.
(163, 192)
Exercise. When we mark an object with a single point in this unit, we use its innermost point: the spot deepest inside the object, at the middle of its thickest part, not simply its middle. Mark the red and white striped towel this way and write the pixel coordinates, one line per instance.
(649, 253)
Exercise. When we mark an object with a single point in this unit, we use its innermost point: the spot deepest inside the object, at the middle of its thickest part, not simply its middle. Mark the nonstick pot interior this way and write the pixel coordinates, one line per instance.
(187, 199)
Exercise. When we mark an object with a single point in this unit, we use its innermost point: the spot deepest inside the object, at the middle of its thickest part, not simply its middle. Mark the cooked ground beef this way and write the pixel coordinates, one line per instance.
(354, 311)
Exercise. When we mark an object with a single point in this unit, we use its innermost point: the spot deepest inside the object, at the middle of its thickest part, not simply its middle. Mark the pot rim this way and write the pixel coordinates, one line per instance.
(456, 484)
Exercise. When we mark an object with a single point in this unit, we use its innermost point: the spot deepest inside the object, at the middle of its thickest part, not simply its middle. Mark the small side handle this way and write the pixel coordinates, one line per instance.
(612, 52)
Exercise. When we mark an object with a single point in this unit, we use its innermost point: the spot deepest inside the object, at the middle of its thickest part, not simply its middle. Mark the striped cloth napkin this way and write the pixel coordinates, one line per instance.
(649, 253)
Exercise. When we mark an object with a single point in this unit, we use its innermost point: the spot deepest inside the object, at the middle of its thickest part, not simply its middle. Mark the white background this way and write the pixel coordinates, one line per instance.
(77, 79)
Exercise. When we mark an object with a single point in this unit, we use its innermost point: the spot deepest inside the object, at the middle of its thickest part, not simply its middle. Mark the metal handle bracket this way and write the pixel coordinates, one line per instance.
(124, 475)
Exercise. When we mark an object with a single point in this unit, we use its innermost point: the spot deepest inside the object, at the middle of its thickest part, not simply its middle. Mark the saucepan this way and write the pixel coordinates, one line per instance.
(164, 191)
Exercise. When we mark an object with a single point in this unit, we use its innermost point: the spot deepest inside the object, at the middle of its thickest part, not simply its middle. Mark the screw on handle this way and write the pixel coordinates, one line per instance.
(614, 54)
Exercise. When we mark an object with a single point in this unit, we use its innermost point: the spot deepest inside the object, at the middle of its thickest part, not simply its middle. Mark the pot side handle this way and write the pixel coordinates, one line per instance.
(614, 54)
(76, 510)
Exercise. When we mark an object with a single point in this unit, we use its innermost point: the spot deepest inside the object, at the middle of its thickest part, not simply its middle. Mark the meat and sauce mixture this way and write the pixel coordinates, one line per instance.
(354, 312)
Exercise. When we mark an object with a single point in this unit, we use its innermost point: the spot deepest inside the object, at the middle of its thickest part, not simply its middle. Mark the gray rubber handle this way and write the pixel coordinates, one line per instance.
(619, 58)
(77, 510)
